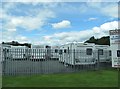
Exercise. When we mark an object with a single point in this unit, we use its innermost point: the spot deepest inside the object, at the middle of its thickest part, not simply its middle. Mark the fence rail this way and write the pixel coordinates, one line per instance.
(44, 61)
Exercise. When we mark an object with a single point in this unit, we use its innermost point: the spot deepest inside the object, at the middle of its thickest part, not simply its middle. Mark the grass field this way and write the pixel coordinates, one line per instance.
(102, 78)
(0, 80)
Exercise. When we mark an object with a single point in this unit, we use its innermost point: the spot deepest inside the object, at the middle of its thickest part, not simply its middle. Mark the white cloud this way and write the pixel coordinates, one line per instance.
(96, 29)
(8, 36)
(60, 0)
(12, 30)
(64, 37)
(21, 39)
(108, 9)
(29, 22)
(109, 26)
(91, 19)
(62, 24)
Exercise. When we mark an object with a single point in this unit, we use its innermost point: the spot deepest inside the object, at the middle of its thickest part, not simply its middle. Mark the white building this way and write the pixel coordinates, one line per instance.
(83, 53)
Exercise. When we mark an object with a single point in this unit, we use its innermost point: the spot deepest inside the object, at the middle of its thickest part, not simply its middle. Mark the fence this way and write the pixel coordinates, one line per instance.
(44, 61)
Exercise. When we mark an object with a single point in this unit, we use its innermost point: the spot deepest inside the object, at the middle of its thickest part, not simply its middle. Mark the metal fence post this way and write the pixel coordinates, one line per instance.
(74, 56)
(98, 62)
(4, 61)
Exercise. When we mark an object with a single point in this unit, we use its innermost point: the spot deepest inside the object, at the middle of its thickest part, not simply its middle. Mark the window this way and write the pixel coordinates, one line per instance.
(118, 53)
(100, 51)
(109, 53)
(56, 50)
(60, 51)
(68, 50)
(24, 55)
(7, 50)
(77, 60)
(89, 51)
(65, 50)
(47, 47)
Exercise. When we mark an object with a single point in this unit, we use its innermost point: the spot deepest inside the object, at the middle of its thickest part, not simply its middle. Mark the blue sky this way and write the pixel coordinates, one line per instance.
(55, 23)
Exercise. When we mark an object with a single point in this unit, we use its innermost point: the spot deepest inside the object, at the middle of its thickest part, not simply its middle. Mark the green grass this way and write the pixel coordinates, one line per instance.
(0, 80)
(102, 78)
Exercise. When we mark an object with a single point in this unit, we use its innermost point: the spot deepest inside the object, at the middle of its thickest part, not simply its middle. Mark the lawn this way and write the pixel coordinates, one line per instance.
(0, 80)
(102, 78)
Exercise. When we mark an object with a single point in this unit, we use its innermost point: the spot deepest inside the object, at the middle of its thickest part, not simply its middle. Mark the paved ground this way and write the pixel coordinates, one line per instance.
(41, 67)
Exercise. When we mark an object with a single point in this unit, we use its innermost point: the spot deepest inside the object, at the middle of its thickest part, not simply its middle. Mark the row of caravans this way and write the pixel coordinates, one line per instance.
(15, 52)
(47, 52)
(35, 52)
(72, 53)
(84, 53)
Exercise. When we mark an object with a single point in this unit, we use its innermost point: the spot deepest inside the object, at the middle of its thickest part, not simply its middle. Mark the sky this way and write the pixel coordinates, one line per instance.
(56, 23)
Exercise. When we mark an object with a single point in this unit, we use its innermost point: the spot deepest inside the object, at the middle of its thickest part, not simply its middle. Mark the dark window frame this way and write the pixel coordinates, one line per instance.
(110, 53)
(65, 50)
(60, 51)
(118, 53)
(56, 50)
(68, 50)
(89, 51)
(100, 51)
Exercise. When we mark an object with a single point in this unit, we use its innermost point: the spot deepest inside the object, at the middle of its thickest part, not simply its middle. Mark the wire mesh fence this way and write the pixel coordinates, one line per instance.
(29, 61)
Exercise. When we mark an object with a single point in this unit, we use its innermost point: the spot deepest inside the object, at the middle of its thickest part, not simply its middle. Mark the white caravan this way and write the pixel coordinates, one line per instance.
(54, 52)
(104, 53)
(40, 52)
(82, 53)
(18, 52)
(45, 52)
(4, 51)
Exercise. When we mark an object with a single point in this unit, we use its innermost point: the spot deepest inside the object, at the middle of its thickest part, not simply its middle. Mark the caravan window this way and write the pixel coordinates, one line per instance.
(65, 50)
(56, 50)
(110, 53)
(118, 53)
(68, 50)
(60, 51)
(100, 51)
(89, 51)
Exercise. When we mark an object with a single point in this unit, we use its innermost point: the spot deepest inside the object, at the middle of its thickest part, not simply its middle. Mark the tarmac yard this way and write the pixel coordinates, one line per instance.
(24, 67)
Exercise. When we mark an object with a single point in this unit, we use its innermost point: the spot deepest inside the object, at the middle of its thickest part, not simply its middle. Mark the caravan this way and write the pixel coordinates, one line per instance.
(102, 53)
(45, 52)
(40, 52)
(83, 53)
(54, 52)
(4, 51)
(18, 52)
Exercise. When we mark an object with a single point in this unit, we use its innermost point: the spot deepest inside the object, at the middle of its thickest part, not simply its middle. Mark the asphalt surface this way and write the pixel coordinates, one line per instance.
(24, 67)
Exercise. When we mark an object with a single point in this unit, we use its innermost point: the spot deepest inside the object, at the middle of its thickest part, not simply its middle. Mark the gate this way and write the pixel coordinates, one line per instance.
(29, 61)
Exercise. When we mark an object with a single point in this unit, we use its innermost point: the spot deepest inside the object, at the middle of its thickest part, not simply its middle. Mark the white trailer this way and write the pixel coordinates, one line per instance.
(54, 52)
(4, 51)
(81, 53)
(102, 53)
(40, 52)
(18, 52)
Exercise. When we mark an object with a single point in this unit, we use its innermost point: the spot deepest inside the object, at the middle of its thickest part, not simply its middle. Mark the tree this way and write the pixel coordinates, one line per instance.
(91, 40)
(101, 41)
